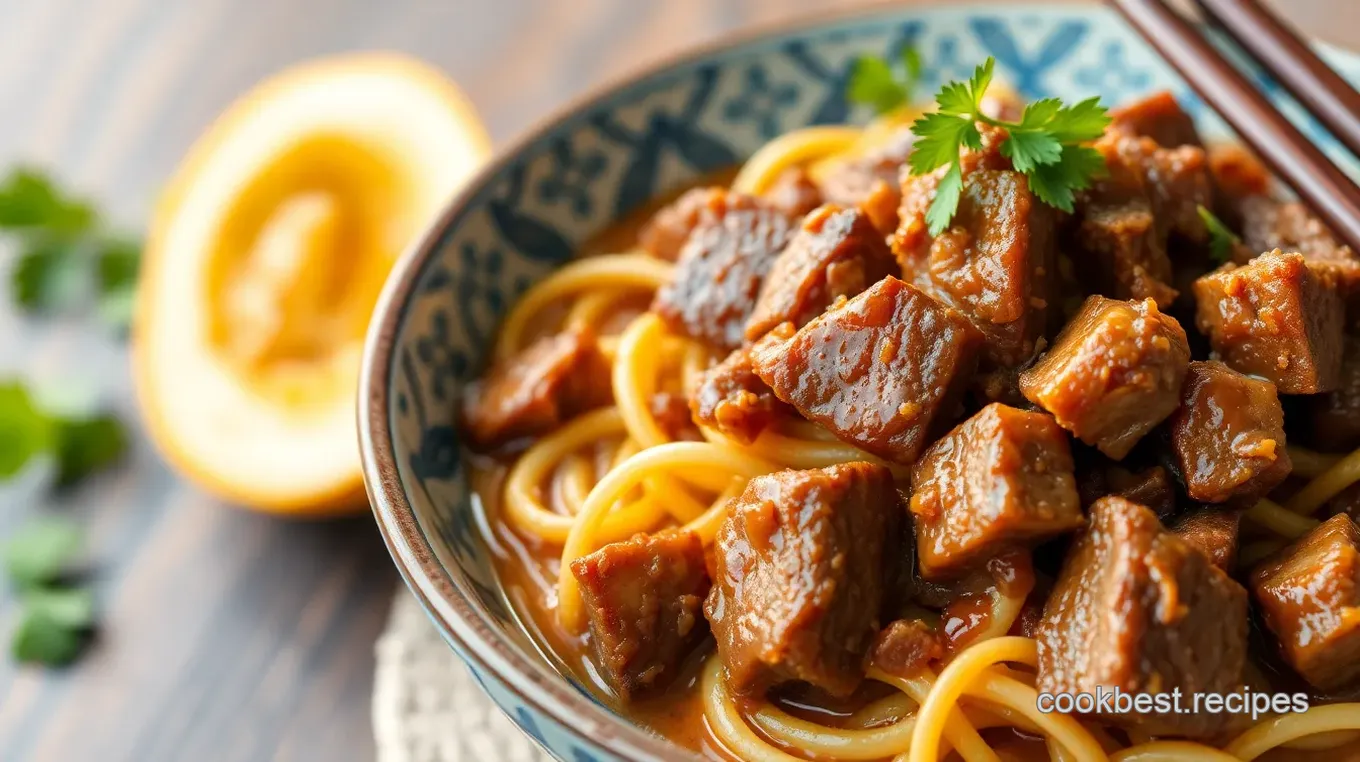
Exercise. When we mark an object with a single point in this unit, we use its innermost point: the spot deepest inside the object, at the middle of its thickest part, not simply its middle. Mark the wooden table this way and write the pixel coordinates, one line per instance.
(228, 635)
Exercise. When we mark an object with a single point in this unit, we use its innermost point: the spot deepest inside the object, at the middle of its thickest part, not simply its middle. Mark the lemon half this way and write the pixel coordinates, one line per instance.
(263, 264)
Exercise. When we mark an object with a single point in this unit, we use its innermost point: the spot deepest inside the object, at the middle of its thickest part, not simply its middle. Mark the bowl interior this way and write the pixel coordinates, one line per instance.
(580, 173)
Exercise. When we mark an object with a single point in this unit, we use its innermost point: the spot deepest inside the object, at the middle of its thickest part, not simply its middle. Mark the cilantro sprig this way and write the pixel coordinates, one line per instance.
(56, 616)
(66, 258)
(877, 83)
(1222, 241)
(1046, 144)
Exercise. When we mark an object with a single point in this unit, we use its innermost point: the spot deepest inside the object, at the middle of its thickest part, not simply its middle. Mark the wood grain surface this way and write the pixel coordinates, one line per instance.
(228, 635)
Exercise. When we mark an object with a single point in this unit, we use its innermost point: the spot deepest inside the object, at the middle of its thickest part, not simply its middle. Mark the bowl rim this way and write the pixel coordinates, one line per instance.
(475, 640)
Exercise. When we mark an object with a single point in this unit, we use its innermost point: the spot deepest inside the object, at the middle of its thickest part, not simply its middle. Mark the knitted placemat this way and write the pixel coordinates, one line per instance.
(427, 707)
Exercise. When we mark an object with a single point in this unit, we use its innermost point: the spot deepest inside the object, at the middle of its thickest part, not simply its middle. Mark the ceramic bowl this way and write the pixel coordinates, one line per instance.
(575, 176)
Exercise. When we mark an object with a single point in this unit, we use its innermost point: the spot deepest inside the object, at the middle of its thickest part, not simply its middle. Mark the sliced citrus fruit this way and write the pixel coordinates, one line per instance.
(263, 264)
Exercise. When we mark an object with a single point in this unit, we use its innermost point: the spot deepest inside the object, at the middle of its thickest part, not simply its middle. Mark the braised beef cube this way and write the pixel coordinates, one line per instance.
(1113, 373)
(1151, 487)
(672, 414)
(721, 268)
(1309, 596)
(645, 599)
(992, 264)
(1139, 609)
(538, 388)
(836, 253)
(732, 399)
(1289, 226)
(904, 647)
(794, 191)
(1002, 478)
(883, 371)
(1158, 116)
(801, 562)
(870, 180)
(666, 232)
(1213, 531)
(1227, 436)
(1276, 318)
(1178, 181)
(1121, 244)
(1335, 416)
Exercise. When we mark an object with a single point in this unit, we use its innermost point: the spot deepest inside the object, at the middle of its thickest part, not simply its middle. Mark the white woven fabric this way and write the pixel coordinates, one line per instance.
(427, 708)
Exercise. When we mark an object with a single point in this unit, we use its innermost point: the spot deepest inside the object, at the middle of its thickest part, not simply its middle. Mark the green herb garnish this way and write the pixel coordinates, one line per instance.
(54, 625)
(876, 83)
(66, 259)
(1222, 241)
(55, 617)
(1045, 145)
(80, 444)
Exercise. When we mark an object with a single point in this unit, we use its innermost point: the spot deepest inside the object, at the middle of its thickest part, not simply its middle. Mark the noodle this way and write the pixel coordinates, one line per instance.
(1270, 515)
(1171, 751)
(790, 150)
(1291, 727)
(1325, 487)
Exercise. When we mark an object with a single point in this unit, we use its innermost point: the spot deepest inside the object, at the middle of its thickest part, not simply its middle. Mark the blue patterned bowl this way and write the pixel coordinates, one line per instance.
(575, 176)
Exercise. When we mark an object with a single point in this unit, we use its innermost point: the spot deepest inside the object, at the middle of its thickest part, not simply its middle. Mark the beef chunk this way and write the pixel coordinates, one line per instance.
(721, 268)
(1158, 116)
(1213, 531)
(665, 234)
(883, 371)
(1335, 416)
(1309, 594)
(1238, 175)
(836, 253)
(1001, 478)
(992, 264)
(671, 411)
(1113, 373)
(905, 646)
(644, 596)
(1178, 181)
(1228, 435)
(1277, 318)
(871, 180)
(1121, 241)
(801, 562)
(732, 399)
(1270, 224)
(794, 192)
(1138, 608)
(1151, 487)
(543, 385)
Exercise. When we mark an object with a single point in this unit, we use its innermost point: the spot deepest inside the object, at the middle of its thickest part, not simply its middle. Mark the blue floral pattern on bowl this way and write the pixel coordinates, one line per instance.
(570, 181)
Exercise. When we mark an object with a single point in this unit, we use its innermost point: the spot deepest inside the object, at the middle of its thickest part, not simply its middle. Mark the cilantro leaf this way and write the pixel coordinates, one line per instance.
(25, 430)
(1028, 150)
(28, 199)
(873, 82)
(54, 626)
(85, 446)
(48, 276)
(946, 199)
(1085, 121)
(1221, 239)
(1045, 145)
(41, 551)
(1056, 184)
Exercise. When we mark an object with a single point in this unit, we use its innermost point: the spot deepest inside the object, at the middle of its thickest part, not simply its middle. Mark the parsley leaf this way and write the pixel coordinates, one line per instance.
(25, 430)
(1045, 145)
(873, 81)
(29, 200)
(64, 261)
(1221, 239)
(41, 551)
(53, 626)
(85, 446)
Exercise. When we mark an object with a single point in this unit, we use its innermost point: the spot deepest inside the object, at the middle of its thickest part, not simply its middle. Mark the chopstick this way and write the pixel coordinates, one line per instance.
(1280, 50)
(1332, 195)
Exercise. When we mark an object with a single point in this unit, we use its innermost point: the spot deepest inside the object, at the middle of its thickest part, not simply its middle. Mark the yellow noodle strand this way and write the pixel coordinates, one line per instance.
(1309, 464)
(1272, 516)
(634, 377)
(1172, 751)
(1281, 730)
(634, 271)
(792, 149)
(1325, 487)
(727, 723)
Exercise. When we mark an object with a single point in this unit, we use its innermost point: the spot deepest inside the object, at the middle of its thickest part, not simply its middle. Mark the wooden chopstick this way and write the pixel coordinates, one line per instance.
(1319, 183)
(1278, 48)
